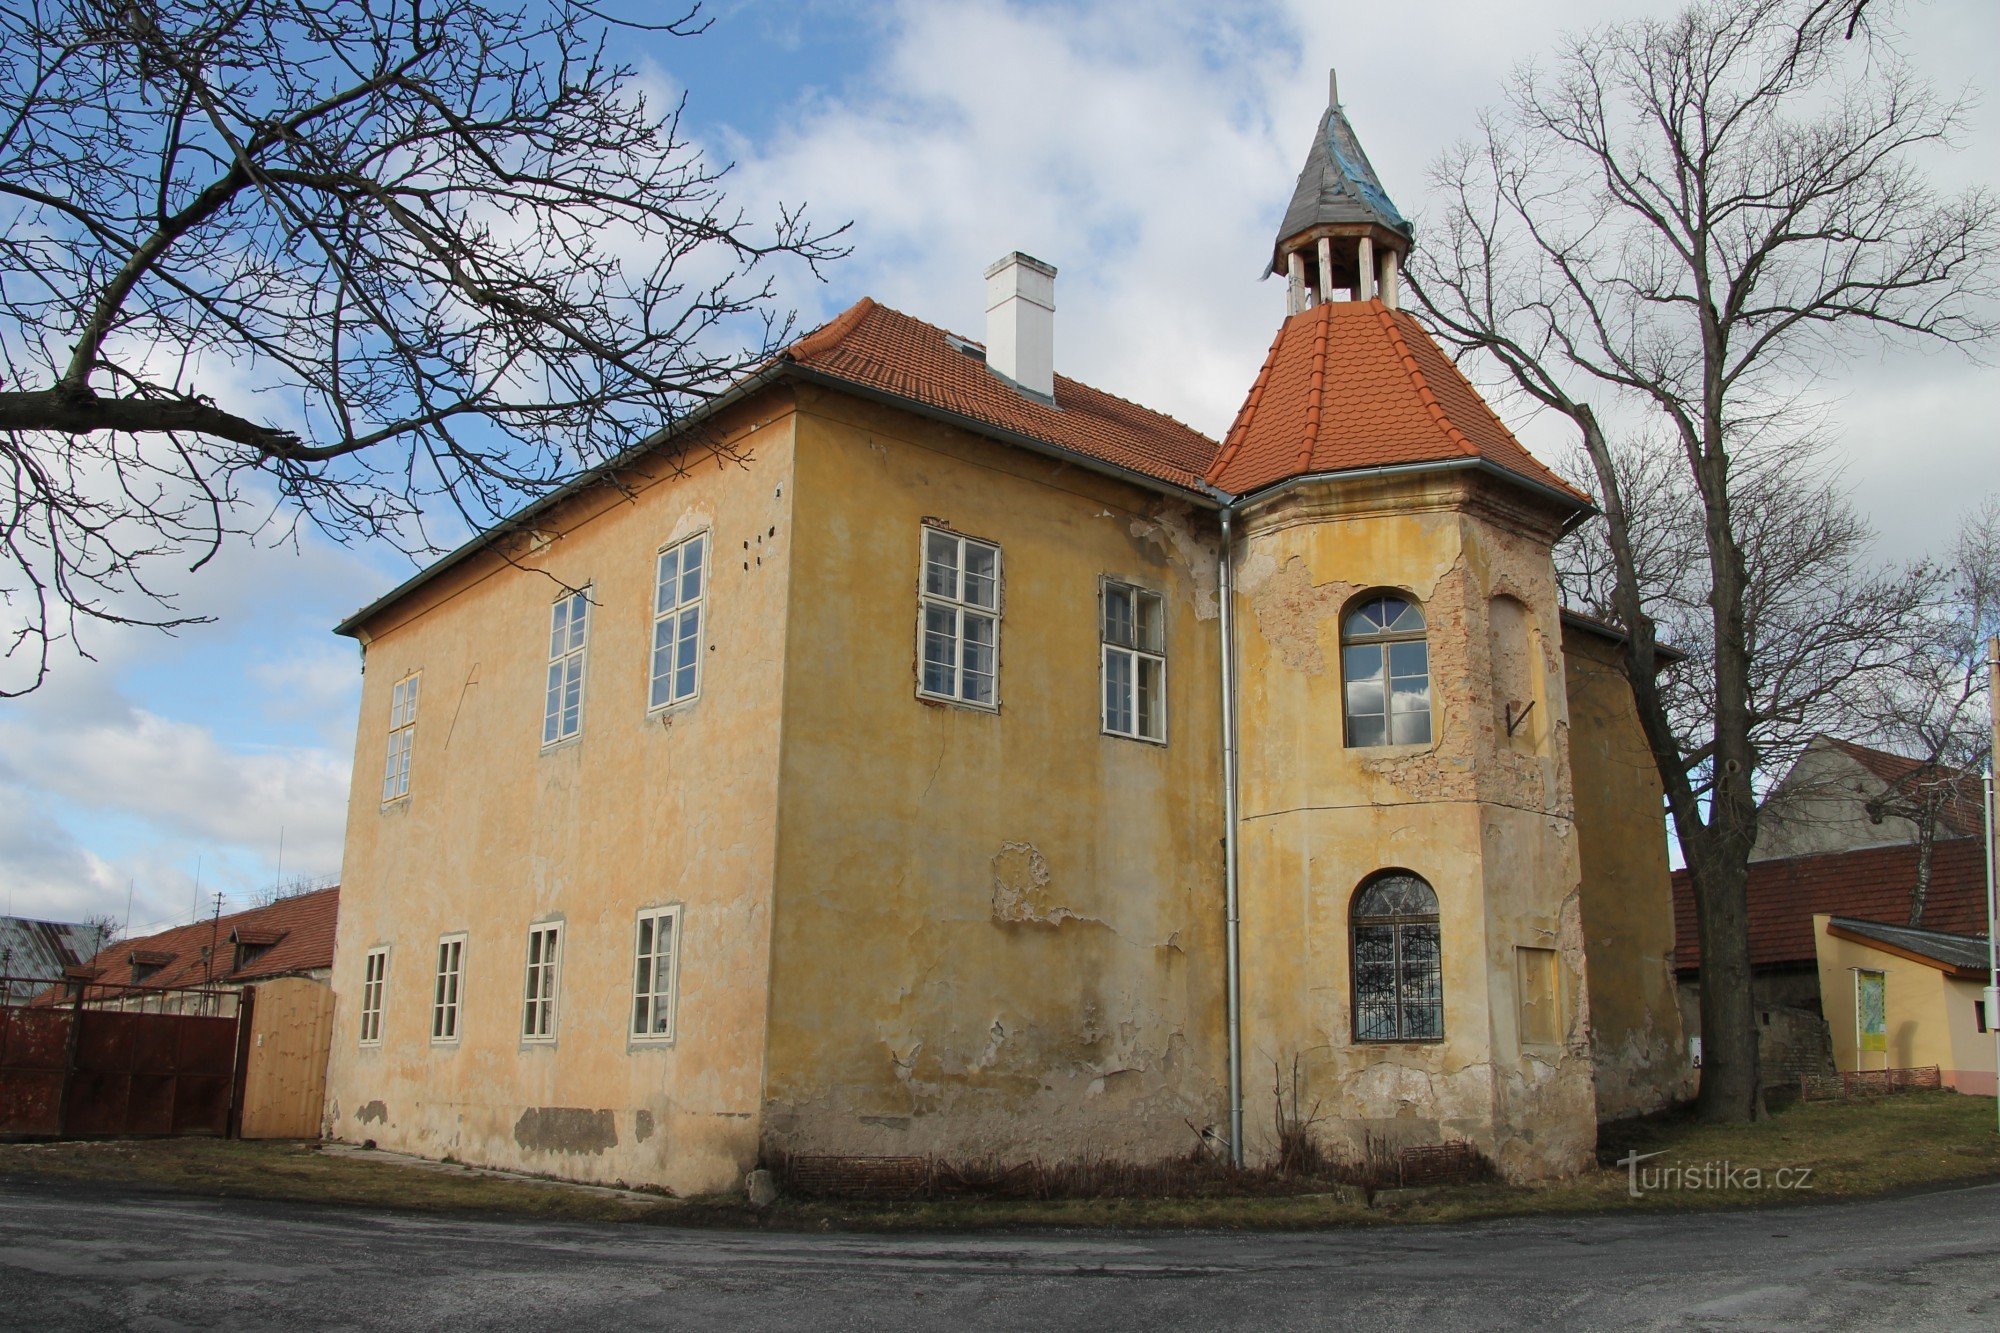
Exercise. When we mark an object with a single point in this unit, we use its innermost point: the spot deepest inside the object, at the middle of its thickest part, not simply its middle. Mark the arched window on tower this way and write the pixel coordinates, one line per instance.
(1398, 962)
(1386, 665)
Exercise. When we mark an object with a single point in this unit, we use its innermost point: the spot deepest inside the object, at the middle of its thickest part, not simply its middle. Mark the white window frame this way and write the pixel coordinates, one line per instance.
(541, 988)
(374, 987)
(402, 737)
(1134, 657)
(569, 646)
(648, 995)
(448, 990)
(682, 616)
(961, 604)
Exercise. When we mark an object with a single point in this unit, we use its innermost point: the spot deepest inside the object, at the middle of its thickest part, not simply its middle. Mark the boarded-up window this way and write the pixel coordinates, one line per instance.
(1514, 648)
(1541, 996)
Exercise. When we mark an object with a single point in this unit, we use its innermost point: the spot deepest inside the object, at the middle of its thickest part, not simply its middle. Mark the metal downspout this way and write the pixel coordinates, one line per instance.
(1227, 584)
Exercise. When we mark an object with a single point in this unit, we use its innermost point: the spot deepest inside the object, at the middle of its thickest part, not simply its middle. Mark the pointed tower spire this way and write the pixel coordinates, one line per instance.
(1341, 233)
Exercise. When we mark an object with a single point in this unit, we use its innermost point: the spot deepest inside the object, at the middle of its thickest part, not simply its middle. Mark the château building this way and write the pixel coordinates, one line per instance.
(919, 751)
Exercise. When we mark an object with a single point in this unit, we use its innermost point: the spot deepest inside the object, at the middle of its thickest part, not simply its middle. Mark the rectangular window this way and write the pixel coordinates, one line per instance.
(1541, 996)
(402, 737)
(1979, 1015)
(657, 969)
(1135, 663)
(677, 599)
(374, 973)
(450, 977)
(538, 1011)
(569, 624)
(960, 633)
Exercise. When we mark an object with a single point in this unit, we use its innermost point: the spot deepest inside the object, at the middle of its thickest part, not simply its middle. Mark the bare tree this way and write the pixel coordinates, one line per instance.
(1667, 237)
(1934, 707)
(375, 259)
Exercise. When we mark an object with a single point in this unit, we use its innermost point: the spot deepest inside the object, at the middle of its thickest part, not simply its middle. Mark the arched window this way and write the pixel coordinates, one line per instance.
(1387, 668)
(1398, 964)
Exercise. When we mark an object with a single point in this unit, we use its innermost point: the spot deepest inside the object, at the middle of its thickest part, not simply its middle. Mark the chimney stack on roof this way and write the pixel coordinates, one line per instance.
(1021, 323)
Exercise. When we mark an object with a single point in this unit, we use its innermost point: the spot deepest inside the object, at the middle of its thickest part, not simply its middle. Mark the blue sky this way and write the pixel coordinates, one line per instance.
(1145, 149)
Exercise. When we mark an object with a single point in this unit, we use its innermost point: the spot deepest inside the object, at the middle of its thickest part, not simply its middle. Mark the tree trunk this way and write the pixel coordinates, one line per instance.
(1731, 1077)
(1926, 842)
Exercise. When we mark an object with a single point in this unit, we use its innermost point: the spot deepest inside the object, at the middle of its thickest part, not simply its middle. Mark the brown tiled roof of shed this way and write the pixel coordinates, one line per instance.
(873, 347)
(303, 928)
(1872, 883)
(1354, 384)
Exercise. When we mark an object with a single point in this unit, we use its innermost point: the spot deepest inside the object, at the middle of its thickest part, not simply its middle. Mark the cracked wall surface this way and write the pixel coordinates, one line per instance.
(641, 810)
(995, 934)
(1487, 818)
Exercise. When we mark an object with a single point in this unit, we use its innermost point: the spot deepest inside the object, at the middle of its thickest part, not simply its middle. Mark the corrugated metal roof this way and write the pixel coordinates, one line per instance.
(40, 950)
(1966, 953)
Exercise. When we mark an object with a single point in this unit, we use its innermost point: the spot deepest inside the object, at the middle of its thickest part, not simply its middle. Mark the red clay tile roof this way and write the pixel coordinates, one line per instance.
(1354, 384)
(1961, 814)
(875, 347)
(304, 925)
(1872, 883)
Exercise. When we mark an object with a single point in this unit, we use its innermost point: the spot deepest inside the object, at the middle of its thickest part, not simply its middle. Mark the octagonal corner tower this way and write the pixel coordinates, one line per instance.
(1412, 955)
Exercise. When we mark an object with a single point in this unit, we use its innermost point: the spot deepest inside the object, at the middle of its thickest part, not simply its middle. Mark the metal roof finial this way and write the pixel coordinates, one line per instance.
(1333, 87)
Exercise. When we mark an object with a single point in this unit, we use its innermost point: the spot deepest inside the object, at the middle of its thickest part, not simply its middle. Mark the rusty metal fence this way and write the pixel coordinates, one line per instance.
(81, 1059)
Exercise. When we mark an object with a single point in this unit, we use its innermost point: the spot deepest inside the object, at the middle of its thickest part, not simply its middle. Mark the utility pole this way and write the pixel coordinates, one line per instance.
(1993, 872)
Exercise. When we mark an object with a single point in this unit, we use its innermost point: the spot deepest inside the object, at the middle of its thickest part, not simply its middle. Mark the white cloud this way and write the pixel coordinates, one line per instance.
(1148, 150)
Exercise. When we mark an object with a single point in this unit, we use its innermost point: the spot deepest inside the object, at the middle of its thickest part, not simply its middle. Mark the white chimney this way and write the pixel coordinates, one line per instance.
(1021, 323)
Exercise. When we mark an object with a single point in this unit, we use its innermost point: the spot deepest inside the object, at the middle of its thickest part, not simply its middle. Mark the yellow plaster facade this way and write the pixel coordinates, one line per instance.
(997, 932)
(1639, 1048)
(909, 927)
(1484, 817)
(1929, 1015)
(641, 810)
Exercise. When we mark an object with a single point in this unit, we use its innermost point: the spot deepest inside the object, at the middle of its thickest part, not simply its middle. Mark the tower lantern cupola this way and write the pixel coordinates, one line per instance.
(1342, 238)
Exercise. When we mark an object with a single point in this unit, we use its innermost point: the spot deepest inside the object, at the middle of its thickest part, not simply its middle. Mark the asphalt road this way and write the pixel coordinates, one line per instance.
(78, 1259)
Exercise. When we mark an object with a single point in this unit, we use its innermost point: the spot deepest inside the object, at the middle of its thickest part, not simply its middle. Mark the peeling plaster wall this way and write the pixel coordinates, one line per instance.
(642, 810)
(1486, 818)
(1637, 1039)
(995, 934)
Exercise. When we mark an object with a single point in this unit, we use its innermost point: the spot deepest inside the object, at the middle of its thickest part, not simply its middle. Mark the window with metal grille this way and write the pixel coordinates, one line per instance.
(959, 634)
(655, 971)
(1398, 962)
(402, 737)
(1385, 664)
(678, 584)
(538, 1008)
(450, 976)
(569, 625)
(1133, 630)
(374, 974)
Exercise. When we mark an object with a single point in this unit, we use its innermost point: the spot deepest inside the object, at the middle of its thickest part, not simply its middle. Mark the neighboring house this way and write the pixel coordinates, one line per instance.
(292, 937)
(34, 953)
(1869, 884)
(863, 792)
(1898, 997)
(1839, 796)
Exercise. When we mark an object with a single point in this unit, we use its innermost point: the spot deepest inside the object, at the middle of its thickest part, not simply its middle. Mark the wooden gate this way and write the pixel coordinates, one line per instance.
(284, 1088)
(102, 1065)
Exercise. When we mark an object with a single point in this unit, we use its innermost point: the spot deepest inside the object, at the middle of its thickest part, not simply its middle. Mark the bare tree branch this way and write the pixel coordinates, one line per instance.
(1669, 236)
(384, 257)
